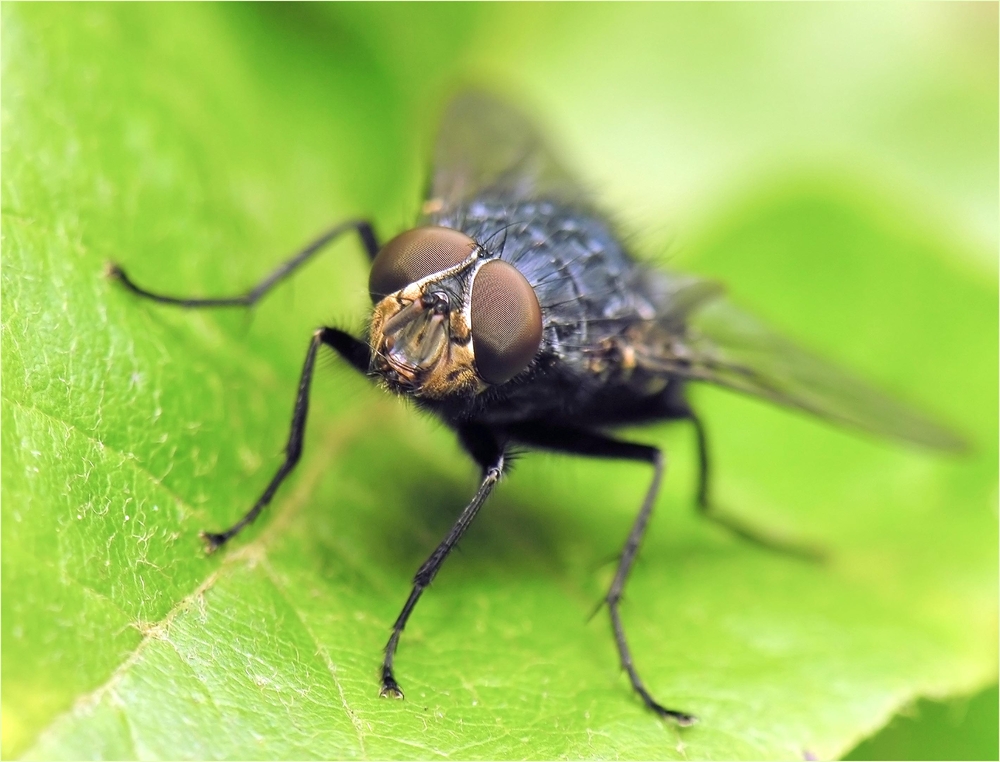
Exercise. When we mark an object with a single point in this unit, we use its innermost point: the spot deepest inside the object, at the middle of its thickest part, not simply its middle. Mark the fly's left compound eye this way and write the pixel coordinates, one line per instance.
(415, 254)
(506, 321)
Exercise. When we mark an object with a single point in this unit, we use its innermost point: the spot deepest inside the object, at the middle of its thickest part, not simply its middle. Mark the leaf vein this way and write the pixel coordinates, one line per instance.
(251, 553)
(320, 650)
(126, 457)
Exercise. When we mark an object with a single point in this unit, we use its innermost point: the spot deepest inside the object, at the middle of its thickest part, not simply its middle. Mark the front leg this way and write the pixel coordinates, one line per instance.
(357, 354)
(363, 228)
(488, 451)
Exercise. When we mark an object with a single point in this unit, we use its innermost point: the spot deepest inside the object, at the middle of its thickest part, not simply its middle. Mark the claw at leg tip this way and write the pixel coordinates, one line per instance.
(212, 541)
(391, 691)
(685, 720)
(682, 719)
(390, 688)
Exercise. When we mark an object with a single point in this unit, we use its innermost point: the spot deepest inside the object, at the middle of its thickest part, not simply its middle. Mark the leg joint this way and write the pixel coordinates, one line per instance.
(657, 458)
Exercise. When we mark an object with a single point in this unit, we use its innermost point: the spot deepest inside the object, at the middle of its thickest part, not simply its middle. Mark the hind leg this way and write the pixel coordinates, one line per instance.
(677, 408)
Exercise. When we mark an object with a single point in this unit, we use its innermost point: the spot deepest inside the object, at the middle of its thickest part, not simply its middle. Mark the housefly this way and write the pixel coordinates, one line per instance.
(515, 313)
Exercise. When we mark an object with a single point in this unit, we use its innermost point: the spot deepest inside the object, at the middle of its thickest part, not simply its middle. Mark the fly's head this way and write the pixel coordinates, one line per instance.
(448, 320)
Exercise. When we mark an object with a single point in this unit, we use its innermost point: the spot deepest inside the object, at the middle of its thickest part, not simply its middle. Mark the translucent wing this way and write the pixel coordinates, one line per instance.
(723, 345)
(485, 146)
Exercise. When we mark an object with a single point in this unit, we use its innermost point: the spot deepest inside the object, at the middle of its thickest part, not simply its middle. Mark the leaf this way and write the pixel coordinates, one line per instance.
(197, 145)
(934, 730)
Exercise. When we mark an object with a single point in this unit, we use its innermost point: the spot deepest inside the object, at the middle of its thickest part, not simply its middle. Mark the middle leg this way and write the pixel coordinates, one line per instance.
(596, 445)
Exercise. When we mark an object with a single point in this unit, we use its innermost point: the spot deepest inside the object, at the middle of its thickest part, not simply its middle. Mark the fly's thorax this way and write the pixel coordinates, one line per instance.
(448, 319)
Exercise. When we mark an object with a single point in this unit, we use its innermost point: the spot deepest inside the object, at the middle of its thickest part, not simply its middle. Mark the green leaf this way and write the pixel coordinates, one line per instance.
(963, 728)
(198, 144)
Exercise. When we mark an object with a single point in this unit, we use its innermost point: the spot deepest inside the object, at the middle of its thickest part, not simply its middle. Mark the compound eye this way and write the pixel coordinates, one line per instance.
(414, 255)
(506, 322)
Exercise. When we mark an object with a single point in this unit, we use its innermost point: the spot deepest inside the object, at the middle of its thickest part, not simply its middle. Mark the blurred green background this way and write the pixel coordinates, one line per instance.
(835, 164)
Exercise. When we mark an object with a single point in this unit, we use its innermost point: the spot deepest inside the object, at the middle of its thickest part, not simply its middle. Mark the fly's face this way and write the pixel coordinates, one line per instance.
(448, 320)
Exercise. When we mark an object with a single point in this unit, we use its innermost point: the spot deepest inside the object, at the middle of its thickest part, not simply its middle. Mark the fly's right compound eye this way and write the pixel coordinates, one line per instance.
(506, 321)
(415, 254)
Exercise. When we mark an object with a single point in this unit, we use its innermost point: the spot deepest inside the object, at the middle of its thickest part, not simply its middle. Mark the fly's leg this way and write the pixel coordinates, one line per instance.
(354, 351)
(597, 445)
(251, 297)
(731, 523)
(357, 354)
(489, 453)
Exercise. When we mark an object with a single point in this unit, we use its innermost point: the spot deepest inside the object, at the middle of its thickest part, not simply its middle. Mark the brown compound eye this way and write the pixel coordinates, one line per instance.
(414, 255)
(506, 322)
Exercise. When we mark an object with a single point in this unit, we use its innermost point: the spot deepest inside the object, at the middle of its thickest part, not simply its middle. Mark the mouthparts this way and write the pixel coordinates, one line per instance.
(415, 339)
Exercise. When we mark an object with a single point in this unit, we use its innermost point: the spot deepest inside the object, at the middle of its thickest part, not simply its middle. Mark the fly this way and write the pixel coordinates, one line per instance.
(516, 314)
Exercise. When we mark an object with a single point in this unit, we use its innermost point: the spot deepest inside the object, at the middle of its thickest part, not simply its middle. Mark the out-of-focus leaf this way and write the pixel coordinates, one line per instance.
(964, 728)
